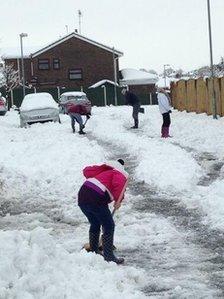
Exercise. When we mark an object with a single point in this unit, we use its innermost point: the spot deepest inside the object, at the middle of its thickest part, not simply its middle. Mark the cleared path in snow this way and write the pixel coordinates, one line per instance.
(183, 266)
(177, 255)
(191, 265)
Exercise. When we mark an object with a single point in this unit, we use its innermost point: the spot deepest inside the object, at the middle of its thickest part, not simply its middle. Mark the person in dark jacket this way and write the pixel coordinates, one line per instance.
(132, 100)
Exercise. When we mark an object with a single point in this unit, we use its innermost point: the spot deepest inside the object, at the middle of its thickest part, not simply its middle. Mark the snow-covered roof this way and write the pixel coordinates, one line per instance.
(161, 82)
(39, 100)
(37, 51)
(136, 77)
(74, 93)
(102, 82)
(12, 53)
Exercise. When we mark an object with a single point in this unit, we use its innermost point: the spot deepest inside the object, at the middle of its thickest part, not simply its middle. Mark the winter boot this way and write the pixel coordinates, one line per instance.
(94, 241)
(167, 132)
(136, 124)
(163, 132)
(81, 132)
(108, 254)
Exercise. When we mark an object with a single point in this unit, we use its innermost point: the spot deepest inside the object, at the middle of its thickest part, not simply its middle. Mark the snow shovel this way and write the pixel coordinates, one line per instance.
(87, 118)
(141, 110)
(87, 245)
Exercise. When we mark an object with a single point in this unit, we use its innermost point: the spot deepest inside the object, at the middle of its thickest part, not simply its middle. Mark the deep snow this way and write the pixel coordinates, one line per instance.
(42, 229)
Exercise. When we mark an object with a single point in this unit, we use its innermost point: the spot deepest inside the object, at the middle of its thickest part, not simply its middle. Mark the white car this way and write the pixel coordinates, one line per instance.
(74, 97)
(38, 107)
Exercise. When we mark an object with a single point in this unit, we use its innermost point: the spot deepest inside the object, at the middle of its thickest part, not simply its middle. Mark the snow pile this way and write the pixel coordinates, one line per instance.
(211, 200)
(199, 131)
(33, 265)
(47, 156)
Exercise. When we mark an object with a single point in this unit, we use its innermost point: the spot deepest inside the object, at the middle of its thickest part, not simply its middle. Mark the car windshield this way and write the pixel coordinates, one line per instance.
(70, 98)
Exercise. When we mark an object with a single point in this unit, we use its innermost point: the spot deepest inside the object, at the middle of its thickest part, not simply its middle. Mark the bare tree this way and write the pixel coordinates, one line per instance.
(9, 78)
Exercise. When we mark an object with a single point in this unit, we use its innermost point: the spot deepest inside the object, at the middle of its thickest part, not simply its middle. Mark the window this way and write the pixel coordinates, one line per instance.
(56, 64)
(43, 64)
(75, 74)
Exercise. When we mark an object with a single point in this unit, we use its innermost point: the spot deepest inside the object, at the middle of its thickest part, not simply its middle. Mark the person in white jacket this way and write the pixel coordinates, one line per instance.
(165, 110)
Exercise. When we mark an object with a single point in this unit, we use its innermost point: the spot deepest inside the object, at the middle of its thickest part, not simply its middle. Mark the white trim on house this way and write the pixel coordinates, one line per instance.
(76, 35)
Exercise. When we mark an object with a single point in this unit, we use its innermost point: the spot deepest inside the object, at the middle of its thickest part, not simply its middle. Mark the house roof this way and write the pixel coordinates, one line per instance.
(102, 82)
(37, 52)
(136, 77)
(14, 53)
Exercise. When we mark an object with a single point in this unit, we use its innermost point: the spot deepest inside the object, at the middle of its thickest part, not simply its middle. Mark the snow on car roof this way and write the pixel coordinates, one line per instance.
(39, 100)
(74, 93)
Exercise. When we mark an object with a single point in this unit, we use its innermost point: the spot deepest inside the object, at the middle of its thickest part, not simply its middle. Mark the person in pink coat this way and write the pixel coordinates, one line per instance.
(104, 184)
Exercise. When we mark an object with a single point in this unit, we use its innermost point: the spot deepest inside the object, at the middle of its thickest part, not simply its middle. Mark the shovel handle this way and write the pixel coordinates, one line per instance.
(113, 212)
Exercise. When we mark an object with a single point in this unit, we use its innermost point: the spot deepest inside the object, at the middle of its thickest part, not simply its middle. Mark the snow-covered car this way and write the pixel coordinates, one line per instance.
(3, 106)
(74, 97)
(38, 107)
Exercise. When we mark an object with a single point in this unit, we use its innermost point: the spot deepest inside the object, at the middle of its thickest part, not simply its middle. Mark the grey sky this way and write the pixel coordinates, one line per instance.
(149, 32)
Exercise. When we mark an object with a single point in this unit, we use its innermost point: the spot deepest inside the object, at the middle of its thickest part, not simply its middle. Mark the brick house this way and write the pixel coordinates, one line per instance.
(73, 62)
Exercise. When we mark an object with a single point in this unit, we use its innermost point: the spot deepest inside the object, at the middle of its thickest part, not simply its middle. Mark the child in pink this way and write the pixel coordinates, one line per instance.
(104, 183)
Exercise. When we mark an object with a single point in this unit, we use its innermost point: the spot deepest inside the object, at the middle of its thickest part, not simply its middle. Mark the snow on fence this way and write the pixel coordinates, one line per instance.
(195, 95)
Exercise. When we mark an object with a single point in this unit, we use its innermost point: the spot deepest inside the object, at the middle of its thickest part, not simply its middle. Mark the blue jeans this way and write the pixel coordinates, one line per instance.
(76, 117)
(97, 216)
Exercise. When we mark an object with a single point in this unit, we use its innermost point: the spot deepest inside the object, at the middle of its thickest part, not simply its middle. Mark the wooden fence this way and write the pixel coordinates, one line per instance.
(195, 95)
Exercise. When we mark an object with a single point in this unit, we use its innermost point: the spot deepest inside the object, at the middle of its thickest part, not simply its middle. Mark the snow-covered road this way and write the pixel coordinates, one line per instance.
(170, 228)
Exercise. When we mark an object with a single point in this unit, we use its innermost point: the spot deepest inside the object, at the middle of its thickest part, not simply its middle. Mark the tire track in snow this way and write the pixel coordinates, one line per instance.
(208, 265)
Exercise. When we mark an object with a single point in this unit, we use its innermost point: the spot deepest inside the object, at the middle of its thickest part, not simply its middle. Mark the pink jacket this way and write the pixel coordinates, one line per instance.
(108, 177)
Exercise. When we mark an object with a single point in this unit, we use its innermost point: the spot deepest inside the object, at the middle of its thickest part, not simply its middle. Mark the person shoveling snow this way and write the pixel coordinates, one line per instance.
(104, 183)
(132, 100)
(75, 111)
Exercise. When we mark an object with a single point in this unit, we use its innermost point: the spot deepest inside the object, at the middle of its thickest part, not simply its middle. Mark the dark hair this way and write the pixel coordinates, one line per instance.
(120, 161)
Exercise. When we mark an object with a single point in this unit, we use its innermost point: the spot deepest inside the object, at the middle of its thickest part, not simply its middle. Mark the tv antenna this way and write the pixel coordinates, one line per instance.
(80, 21)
